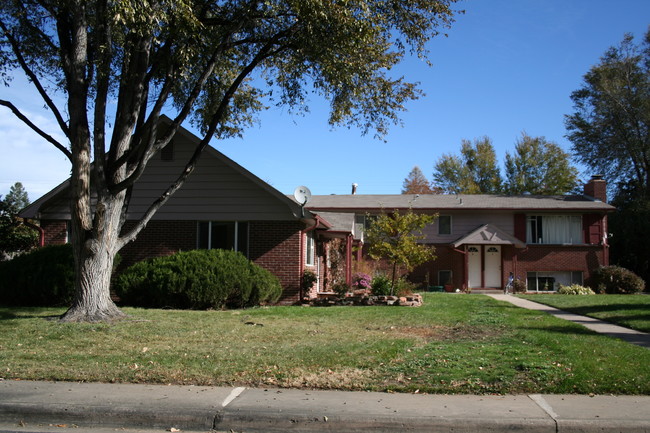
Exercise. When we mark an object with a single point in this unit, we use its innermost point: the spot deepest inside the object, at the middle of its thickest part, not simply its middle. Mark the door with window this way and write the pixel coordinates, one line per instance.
(493, 266)
(474, 265)
(484, 266)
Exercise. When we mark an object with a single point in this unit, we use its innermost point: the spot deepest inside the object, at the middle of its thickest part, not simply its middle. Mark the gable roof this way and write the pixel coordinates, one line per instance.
(436, 202)
(218, 189)
(487, 234)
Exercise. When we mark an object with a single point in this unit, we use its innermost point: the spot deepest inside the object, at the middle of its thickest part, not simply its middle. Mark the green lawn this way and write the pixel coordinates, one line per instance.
(454, 344)
(632, 311)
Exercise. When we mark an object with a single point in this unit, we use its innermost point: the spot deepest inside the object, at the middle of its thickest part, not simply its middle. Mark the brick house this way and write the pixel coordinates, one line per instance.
(221, 205)
(480, 239)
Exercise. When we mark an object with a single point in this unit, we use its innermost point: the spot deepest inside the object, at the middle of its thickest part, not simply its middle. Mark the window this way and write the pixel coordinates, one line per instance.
(311, 249)
(551, 281)
(359, 226)
(225, 235)
(444, 225)
(444, 277)
(554, 229)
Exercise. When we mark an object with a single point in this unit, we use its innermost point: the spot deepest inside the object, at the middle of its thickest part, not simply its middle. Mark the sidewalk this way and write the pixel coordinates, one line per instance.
(630, 335)
(25, 404)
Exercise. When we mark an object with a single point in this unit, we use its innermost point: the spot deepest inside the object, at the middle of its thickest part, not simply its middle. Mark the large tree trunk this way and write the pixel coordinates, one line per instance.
(94, 255)
(93, 301)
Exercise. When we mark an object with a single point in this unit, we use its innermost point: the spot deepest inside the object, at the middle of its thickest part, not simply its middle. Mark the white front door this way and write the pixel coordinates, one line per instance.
(493, 266)
(474, 261)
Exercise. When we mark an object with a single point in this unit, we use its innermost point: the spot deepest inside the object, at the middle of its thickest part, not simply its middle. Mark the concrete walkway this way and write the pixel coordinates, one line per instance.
(27, 406)
(630, 335)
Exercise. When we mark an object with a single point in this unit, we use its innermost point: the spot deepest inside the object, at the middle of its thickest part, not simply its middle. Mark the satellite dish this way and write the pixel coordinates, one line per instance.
(302, 195)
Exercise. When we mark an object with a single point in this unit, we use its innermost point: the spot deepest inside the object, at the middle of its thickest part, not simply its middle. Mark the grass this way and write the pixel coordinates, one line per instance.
(632, 311)
(453, 344)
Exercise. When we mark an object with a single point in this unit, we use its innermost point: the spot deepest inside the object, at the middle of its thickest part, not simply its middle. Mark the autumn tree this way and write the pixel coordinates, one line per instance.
(474, 171)
(15, 236)
(610, 133)
(395, 237)
(118, 65)
(539, 166)
(416, 183)
(610, 125)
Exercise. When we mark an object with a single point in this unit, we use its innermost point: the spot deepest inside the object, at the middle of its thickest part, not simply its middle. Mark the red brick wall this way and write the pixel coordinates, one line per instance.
(275, 245)
(542, 258)
(56, 232)
(159, 238)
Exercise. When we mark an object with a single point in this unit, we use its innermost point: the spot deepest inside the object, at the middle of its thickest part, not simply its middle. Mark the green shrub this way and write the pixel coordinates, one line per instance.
(575, 289)
(519, 286)
(616, 280)
(403, 287)
(380, 285)
(198, 279)
(42, 277)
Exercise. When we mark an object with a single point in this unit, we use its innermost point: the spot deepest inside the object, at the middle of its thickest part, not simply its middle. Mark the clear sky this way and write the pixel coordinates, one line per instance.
(506, 67)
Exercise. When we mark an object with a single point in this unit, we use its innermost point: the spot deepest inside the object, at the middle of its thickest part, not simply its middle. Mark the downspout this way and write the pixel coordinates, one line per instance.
(39, 229)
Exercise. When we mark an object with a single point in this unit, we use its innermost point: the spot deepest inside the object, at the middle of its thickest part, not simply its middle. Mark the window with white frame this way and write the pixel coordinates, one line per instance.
(310, 256)
(444, 225)
(225, 235)
(551, 281)
(554, 229)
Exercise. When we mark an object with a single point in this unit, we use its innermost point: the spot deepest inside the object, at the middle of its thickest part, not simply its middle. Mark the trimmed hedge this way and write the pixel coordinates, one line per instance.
(616, 280)
(42, 277)
(199, 279)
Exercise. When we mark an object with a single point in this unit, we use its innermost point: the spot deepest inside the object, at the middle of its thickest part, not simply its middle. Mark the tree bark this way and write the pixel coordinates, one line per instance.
(94, 256)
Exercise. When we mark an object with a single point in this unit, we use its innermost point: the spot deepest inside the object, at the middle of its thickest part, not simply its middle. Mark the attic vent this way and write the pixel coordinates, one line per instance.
(167, 152)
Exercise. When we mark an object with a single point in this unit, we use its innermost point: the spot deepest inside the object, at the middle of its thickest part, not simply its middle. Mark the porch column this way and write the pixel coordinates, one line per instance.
(348, 260)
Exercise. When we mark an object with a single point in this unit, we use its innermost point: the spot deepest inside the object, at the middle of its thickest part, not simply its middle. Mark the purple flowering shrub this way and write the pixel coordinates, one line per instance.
(361, 281)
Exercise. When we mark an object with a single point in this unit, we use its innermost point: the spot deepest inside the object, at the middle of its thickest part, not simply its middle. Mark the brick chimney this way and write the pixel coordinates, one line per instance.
(597, 188)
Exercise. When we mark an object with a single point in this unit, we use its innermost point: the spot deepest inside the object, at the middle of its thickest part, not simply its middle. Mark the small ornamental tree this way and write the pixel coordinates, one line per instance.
(395, 237)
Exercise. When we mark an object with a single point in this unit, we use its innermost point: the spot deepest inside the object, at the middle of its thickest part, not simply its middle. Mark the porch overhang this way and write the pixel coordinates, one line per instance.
(487, 234)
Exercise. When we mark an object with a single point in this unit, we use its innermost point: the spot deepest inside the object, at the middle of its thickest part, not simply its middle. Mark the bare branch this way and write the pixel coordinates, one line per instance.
(36, 129)
(15, 47)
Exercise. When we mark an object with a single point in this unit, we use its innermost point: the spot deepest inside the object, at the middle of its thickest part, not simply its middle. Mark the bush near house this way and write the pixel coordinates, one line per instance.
(616, 280)
(575, 289)
(42, 277)
(199, 279)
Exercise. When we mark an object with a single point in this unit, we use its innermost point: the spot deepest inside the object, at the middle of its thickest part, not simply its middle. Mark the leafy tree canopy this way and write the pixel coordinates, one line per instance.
(118, 64)
(610, 125)
(395, 237)
(475, 171)
(539, 167)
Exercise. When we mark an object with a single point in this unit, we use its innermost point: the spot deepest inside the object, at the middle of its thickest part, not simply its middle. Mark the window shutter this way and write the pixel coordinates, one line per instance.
(520, 226)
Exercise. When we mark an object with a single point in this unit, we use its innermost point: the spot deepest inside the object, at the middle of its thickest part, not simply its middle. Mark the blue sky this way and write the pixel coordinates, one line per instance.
(506, 67)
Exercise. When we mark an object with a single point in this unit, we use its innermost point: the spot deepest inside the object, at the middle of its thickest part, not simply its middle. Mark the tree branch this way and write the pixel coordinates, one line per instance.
(15, 47)
(218, 117)
(36, 129)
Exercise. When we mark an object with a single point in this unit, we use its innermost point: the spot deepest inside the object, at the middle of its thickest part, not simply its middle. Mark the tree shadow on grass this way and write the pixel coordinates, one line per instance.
(13, 313)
